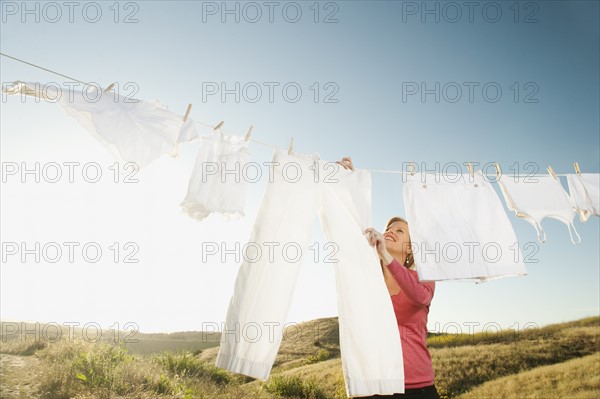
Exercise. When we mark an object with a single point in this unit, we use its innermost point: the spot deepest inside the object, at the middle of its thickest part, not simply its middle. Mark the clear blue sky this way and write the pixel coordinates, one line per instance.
(544, 56)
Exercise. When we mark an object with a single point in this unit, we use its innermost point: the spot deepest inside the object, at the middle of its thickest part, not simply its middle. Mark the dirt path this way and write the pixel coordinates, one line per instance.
(18, 376)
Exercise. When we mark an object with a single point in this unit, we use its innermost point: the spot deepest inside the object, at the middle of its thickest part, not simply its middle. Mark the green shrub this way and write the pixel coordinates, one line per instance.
(74, 366)
(294, 386)
(187, 365)
(321, 355)
(167, 386)
(100, 366)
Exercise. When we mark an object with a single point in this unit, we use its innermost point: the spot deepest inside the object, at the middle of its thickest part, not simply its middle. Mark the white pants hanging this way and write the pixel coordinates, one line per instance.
(370, 344)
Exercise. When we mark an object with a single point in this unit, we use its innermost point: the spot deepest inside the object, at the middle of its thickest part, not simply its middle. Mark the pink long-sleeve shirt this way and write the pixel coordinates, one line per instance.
(411, 306)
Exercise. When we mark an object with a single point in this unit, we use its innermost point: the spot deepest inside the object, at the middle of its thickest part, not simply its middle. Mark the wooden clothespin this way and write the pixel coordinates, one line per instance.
(187, 112)
(18, 87)
(470, 169)
(291, 147)
(551, 171)
(577, 170)
(14, 88)
(109, 88)
(249, 133)
(412, 168)
(498, 171)
(219, 125)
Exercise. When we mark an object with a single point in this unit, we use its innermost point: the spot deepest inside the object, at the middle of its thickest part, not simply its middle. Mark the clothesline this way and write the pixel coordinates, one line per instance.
(235, 134)
(144, 131)
(42, 68)
(271, 145)
(89, 84)
(524, 175)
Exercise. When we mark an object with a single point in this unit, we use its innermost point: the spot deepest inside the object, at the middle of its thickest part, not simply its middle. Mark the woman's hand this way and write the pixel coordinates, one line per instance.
(376, 239)
(346, 162)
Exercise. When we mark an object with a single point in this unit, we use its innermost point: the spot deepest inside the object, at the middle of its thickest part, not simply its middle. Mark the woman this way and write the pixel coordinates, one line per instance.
(411, 300)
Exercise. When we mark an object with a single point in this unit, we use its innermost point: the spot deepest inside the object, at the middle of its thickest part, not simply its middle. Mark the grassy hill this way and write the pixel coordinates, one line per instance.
(300, 342)
(576, 379)
(561, 358)
(12, 333)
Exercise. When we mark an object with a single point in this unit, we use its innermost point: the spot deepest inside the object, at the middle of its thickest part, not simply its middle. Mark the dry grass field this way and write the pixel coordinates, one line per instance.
(555, 361)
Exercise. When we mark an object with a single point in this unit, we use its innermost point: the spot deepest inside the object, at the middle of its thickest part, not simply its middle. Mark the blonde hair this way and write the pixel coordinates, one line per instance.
(410, 260)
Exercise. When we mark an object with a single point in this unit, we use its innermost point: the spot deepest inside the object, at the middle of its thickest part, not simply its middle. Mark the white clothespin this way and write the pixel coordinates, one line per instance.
(249, 133)
(187, 112)
(291, 147)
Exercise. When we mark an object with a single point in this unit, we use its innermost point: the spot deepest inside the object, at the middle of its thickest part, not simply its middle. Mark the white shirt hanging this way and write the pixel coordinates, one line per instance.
(217, 183)
(133, 130)
(459, 229)
(584, 188)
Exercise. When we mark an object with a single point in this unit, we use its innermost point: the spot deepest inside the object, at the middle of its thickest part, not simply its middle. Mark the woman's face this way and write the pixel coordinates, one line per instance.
(397, 238)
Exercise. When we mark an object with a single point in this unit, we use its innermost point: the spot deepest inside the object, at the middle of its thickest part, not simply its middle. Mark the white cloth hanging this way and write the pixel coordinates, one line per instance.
(537, 198)
(369, 338)
(459, 229)
(584, 188)
(190, 132)
(133, 130)
(218, 183)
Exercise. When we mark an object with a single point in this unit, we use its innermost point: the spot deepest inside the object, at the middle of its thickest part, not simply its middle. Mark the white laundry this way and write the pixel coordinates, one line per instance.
(217, 183)
(459, 229)
(584, 188)
(188, 132)
(133, 130)
(369, 338)
(535, 199)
